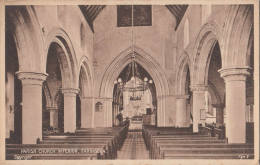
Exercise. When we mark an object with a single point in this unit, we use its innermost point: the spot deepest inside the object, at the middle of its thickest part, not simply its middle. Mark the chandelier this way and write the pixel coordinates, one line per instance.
(135, 85)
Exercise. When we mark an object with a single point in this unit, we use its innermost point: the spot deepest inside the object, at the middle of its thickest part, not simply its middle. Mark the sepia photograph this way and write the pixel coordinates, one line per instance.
(131, 81)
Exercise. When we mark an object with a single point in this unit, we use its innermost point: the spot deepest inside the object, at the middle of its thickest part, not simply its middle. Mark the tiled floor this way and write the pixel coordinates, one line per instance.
(133, 147)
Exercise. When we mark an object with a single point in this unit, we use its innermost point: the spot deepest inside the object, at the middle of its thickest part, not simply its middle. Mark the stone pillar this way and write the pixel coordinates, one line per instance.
(161, 111)
(31, 106)
(109, 114)
(219, 114)
(235, 81)
(87, 110)
(181, 111)
(198, 92)
(70, 109)
(53, 116)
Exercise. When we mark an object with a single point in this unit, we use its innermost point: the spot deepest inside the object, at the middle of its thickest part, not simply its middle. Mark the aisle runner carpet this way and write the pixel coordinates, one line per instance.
(133, 147)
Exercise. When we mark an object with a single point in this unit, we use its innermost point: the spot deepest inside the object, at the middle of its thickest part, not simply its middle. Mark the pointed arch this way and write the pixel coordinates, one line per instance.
(145, 60)
(237, 32)
(28, 37)
(183, 66)
(47, 94)
(150, 65)
(204, 44)
(66, 56)
(85, 77)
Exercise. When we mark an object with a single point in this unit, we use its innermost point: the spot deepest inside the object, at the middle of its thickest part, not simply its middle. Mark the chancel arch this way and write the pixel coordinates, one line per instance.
(134, 97)
(150, 65)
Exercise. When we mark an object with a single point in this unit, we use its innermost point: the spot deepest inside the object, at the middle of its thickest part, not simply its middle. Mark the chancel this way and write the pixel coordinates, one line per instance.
(129, 82)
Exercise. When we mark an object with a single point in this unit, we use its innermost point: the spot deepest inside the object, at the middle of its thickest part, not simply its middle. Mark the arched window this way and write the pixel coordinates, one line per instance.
(186, 33)
(99, 107)
(205, 13)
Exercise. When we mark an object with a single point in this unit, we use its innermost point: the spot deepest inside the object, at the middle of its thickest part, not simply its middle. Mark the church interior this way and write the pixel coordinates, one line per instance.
(129, 82)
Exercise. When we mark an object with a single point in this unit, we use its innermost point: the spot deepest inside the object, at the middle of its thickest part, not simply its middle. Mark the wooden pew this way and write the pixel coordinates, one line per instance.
(101, 143)
(172, 143)
(167, 150)
(106, 141)
(202, 153)
(54, 151)
(185, 140)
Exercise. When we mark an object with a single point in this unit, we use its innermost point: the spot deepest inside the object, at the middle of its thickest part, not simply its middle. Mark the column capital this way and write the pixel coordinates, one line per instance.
(199, 87)
(31, 78)
(182, 96)
(70, 90)
(234, 73)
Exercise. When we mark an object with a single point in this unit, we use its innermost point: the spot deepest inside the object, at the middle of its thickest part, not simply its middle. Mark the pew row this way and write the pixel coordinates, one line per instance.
(100, 143)
(177, 143)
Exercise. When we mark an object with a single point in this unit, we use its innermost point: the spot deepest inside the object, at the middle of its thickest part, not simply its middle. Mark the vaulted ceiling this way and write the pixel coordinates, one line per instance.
(90, 12)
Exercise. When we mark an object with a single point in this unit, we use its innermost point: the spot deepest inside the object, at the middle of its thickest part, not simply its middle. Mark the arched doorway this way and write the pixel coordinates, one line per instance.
(134, 97)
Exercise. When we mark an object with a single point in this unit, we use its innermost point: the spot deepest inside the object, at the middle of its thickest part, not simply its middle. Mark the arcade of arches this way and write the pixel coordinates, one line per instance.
(63, 65)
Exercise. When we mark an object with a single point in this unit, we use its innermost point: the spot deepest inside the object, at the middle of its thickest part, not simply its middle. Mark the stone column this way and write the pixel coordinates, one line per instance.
(109, 115)
(235, 81)
(181, 111)
(161, 111)
(219, 114)
(198, 92)
(53, 116)
(70, 109)
(87, 110)
(31, 106)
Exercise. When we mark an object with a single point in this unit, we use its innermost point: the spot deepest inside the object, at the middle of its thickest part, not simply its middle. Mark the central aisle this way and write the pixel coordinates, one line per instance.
(133, 147)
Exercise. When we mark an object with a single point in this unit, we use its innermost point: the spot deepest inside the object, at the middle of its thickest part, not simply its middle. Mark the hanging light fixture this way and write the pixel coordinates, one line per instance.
(134, 86)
